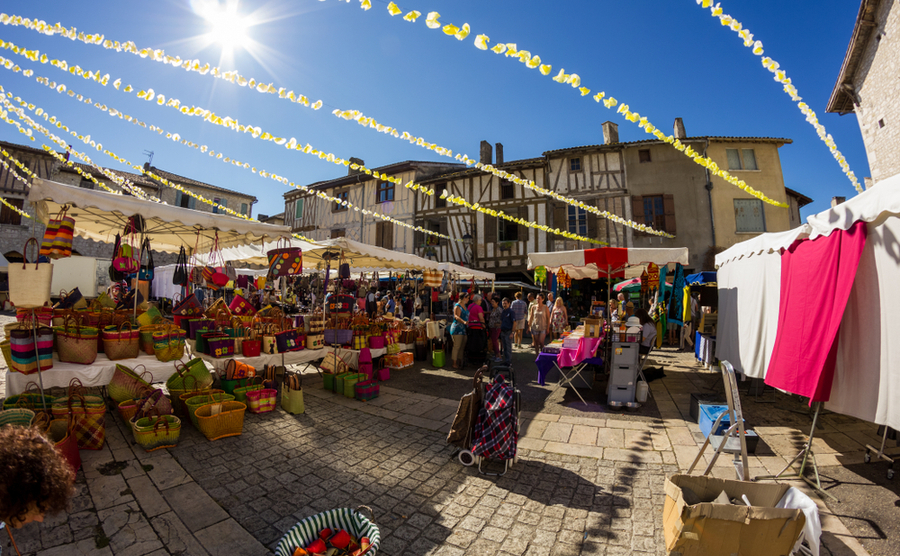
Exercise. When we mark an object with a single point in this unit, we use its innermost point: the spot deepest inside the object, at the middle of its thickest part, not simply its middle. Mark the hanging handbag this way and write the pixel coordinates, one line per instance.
(241, 307)
(22, 349)
(243, 281)
(29, 286)
(180, 276)
(57, 242)
(344, 269)
(125, 261)
(115, 275)
(146, 272)
(285, 261)
(230, 272)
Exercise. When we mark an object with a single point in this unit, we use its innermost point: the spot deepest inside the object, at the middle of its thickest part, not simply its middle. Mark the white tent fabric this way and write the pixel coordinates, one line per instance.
(866, 382)
(162, 285)
(465, 272)
(574, 265)
(4, 264)
(357, 254)
(100, 215)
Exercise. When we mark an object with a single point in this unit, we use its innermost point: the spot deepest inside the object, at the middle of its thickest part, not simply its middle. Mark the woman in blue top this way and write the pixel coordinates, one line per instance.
(458, 329)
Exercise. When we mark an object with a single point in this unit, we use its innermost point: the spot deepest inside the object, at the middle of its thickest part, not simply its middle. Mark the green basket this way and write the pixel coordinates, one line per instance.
(200, 400)
(230, 385)
(17, 416)
(153, 433)
(240, 393)
(350, 384)
(328, 381)
(339, 382)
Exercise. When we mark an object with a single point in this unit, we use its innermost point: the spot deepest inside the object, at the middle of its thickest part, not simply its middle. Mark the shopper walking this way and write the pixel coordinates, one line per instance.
(458, 329)
(538, 322)
(494, 324)
(520, 312)
(559, 317)
(507, 324)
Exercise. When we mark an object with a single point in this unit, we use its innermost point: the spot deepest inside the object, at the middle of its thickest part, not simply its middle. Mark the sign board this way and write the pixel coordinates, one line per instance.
(653, 276)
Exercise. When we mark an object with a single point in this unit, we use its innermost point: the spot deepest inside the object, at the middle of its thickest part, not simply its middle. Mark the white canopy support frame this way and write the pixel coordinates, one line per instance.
(100, 216)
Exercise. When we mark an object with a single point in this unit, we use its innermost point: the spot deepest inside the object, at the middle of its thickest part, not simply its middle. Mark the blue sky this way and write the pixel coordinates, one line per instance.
(665, 58)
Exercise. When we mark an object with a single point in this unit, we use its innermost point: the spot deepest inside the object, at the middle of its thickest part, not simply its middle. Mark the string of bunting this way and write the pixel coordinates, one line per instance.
(105, 171)
(176, 138)
(511, 50)
(15, 174)
(150, 95)
(781, 77)
(256, 132)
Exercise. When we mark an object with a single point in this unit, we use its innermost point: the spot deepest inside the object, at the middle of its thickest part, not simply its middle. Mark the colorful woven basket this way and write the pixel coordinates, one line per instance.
(126, 384)
(196, 402)
(262, 400)
(16, 416)
(222, 420)
(350, 520)
(153, 433)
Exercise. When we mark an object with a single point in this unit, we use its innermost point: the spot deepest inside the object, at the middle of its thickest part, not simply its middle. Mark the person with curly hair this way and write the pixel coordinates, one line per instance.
(35, 479)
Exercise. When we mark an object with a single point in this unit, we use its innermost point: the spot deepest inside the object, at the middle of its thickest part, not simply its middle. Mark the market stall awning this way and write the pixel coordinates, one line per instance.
(100, 216)
(596, 263)
(465, 272)
(359, 255)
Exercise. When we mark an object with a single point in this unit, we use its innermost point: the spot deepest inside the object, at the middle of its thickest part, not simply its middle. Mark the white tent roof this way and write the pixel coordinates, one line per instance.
(575, 266)
(359, 255)
(100, 216)
(866, 379)
(466, 272)
(4, 264)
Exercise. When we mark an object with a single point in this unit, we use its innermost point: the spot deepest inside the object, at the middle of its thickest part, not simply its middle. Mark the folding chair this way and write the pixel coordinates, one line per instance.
(575, 372)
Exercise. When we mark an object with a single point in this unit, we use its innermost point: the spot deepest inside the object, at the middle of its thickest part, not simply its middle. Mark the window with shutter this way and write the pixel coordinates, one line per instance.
(8, 215)
(749, 215)
(637, 210)
(192, 203)
(244, 208)
(388, 238)
(560, 217)
(593, 227)
(298, 208)
(577, 220)
(438, 189)
(491, 225)
(418, 236)
(523, 230)
(734, 159)
(442, 228)
(215, 208)
(749, 159)
(669, 212)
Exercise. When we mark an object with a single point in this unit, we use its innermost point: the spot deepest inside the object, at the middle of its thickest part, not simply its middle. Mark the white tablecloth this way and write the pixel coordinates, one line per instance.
(98, 373)
(350, 356)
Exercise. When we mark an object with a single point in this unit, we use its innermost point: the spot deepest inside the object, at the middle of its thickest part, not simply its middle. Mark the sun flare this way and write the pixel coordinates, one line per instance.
(226, 26)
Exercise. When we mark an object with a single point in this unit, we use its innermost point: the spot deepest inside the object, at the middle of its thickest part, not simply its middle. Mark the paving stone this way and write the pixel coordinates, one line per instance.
(109, 490)
(557, 432)
(148, 497)
(86, 547)
(128, 531)
(227, 538)
(175, 536)
(167, 473)
(583, 434)
(195, 508)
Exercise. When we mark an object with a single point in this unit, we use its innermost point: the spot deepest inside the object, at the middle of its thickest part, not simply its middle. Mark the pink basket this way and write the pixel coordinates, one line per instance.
(261, 401)
(376, 342)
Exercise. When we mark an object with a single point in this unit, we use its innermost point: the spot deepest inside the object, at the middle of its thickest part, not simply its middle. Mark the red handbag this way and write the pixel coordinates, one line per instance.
(251, 348)
(241, 307)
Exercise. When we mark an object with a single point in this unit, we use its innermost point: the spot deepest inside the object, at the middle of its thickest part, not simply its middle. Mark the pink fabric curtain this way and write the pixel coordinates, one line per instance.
(816, 278)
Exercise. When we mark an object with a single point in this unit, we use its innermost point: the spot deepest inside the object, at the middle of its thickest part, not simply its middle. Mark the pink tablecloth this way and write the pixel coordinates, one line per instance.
(587, 348)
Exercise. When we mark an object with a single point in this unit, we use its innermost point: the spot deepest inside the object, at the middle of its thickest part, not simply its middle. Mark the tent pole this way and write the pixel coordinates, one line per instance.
(808, 455)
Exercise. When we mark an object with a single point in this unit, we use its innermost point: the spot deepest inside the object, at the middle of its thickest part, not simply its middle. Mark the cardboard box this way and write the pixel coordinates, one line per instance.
(592, 328)
(709, 529)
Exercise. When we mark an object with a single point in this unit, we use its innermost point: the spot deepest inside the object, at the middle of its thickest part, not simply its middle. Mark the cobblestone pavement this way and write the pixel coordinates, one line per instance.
(582, 485)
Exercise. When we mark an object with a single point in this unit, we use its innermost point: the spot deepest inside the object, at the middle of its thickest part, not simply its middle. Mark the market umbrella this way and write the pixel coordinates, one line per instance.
(626, 284)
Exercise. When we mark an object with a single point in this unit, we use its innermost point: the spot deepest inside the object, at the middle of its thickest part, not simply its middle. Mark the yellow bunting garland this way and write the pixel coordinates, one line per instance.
(19, 178)
(345, 114)
(511, 50)
(455, 199)
(781, 77)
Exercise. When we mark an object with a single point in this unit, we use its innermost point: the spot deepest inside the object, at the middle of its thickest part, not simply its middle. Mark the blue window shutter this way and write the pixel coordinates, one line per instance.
(243, 208)
(192, 203)
(177, 198)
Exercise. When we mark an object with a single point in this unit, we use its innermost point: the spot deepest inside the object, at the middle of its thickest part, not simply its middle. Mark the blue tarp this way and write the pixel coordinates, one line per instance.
(701, 278)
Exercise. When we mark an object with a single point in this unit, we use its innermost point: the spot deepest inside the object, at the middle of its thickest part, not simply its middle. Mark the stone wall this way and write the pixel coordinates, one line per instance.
(876, 84)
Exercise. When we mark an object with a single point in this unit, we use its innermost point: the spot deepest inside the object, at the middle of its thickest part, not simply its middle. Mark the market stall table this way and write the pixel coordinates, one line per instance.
(98, 373)
(575, 359)
(350, 356)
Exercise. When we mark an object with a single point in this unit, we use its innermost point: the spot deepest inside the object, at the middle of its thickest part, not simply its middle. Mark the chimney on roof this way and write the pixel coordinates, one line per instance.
(610, 133)
(679, 129)
(835, 201)
(486, 153)
(147, 166)
(357, 161)
(499, 148)
(262, 217)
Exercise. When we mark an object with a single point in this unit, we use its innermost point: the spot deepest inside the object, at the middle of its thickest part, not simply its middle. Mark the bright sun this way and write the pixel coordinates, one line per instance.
(227, 27)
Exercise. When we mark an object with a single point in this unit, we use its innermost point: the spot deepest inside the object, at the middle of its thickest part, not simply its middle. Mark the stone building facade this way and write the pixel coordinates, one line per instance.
(647, 181)
(15, 229)
(867, 84)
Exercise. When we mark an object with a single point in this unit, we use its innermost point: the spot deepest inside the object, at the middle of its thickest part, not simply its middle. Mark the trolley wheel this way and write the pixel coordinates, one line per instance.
(890, 474)
(466, 458)
(867, 458)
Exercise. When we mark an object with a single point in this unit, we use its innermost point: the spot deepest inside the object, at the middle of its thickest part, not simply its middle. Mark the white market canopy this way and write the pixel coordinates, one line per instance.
(594, 263)
(465, 272)
(359, 255)
(866, 378)
(100, 216)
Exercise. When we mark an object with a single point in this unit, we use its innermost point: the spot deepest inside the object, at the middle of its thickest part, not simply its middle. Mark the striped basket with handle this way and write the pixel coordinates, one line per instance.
(119, 343)
(128, 384)
(350, 520)
(193, 403)
(155, 432)
(262, 400)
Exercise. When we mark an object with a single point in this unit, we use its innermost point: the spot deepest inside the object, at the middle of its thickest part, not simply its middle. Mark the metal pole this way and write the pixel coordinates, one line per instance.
(37, 358)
